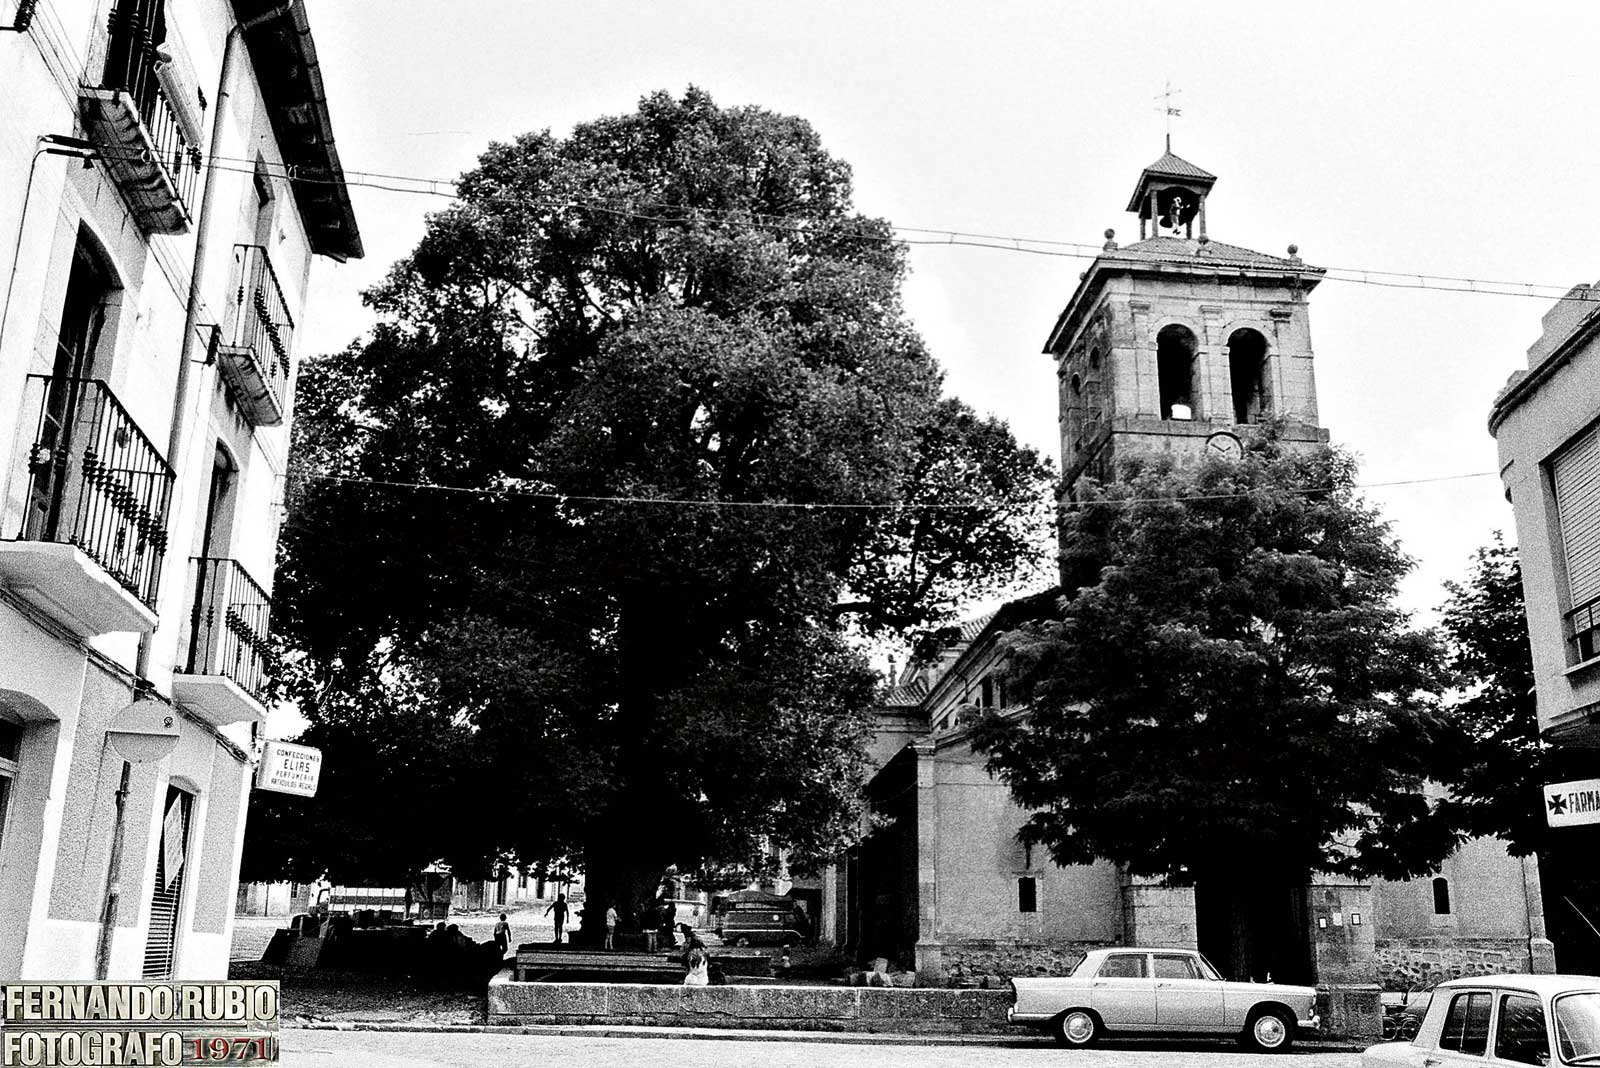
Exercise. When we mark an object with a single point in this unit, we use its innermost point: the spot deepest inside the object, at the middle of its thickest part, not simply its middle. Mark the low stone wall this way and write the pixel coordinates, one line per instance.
(1347, 1012)
(991, 963)
(794, 1008)
(1407, 963)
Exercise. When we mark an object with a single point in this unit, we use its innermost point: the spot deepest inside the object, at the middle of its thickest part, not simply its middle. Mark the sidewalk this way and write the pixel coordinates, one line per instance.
(1022, 1037)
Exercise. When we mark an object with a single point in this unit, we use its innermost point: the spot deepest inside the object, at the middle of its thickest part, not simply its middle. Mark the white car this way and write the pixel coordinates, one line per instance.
(1500, 1020)
(1161, 991)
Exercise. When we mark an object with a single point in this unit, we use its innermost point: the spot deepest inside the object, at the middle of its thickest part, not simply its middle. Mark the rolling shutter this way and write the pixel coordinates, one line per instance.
(161, 945)
(1576, 474)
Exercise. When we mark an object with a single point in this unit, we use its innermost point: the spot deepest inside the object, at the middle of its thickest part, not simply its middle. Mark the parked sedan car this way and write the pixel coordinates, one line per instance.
(1161, 991)
(1502, 1019)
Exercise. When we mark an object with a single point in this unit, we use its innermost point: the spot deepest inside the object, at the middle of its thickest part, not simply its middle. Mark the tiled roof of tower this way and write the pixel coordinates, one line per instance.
(1188, 250)
(1181, 256)
(1177, 167)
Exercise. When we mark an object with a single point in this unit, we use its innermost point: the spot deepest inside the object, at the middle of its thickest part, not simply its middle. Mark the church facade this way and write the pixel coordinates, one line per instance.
(1174, 344)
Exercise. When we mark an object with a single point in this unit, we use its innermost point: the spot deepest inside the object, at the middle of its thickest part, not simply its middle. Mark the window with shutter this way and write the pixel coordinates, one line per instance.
(161, 945)
(1575, 475)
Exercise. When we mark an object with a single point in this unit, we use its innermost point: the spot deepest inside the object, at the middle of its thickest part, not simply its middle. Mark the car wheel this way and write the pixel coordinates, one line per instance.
(1075, 1028)
(1269, 1031)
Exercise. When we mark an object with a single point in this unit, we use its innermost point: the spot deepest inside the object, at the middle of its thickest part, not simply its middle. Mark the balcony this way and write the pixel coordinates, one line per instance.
(253, 349)
(222, 674)
(144, 123)
(86, 511)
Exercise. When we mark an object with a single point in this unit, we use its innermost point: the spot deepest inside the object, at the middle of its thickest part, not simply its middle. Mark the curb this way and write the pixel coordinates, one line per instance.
(730, 1034)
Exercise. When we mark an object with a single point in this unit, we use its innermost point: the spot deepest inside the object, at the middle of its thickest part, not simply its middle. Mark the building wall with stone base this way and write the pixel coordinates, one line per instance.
(983, 872)
(1418, 963)
(990, 962)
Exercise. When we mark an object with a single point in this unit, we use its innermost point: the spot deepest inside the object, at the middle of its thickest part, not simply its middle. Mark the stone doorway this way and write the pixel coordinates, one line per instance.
(1252, 931)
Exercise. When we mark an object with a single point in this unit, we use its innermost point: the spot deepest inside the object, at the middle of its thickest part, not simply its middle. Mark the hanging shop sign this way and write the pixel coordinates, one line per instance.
(1572, 804)
(287, 768)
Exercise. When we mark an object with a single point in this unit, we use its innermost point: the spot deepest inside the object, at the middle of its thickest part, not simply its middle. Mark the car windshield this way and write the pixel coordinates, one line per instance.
(1578, 1027)
(1207, 969)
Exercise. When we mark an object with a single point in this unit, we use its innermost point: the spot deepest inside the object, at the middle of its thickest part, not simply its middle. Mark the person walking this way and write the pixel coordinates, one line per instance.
(611, 925)
(502, 936)
(559, 907)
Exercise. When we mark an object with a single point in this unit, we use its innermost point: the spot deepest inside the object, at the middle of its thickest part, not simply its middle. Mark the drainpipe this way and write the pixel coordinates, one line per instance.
(202, 228)
(113, 895)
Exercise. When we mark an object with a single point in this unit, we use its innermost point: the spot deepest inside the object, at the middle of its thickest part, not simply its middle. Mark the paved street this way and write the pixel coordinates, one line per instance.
(375, 1049)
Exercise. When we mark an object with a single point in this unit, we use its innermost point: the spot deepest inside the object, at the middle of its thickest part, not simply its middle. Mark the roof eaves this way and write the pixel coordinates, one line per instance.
(285, 59)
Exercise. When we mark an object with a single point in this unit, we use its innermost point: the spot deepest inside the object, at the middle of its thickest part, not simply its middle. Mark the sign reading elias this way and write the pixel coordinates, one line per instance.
(1572, 804)
(287, 768)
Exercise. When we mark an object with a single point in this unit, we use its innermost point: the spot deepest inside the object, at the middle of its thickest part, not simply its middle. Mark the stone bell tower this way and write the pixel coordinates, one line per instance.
(1178, 343)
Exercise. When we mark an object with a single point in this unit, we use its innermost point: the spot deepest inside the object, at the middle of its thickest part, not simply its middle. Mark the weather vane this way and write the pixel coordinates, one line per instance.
(1166, 96)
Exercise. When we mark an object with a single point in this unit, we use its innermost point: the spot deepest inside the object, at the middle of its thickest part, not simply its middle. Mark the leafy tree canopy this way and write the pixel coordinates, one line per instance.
(641, 345)
(1498, 789)
(1227, 691)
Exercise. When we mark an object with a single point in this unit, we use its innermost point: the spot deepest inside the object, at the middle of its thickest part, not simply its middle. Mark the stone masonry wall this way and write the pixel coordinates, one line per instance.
(990, 963)
(788, 1008)
(1407, 963)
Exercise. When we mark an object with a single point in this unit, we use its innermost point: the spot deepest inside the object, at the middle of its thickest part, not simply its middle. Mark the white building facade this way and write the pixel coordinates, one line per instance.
(154, 256)
(1546, 422)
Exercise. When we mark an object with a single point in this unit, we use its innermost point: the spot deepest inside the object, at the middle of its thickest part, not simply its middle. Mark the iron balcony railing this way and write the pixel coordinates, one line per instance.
(96, 482)
(228, 625)
(260, 321)
(1583, 630)
(137, 30)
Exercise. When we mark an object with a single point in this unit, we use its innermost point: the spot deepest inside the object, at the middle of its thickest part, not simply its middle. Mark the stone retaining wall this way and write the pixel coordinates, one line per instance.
(796, 1008)
(1407, 963)
(1347, 1012)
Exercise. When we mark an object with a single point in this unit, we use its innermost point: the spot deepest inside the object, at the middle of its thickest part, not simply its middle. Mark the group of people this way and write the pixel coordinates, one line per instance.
(696, 961)
(450, 956)
(558, 913)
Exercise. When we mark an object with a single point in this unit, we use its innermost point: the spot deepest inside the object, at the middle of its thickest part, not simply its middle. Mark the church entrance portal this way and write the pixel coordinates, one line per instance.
(1252, 930)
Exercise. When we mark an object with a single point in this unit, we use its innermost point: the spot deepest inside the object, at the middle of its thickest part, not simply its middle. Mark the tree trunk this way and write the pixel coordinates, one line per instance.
(632, 844)
(623, 873)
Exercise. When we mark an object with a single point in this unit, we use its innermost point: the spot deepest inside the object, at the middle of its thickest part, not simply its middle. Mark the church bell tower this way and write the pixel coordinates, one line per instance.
(1178, 343)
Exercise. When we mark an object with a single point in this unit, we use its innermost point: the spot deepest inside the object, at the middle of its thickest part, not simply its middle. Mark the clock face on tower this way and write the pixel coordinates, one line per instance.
(1225, 444)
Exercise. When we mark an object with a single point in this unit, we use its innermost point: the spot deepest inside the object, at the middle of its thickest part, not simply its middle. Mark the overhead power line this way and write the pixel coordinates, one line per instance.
(832, 506)
(896, 233)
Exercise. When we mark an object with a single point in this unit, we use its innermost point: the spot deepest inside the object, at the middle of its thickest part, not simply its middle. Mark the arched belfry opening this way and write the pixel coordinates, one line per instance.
(1247, 375)
(1074, 409)
(1175, 352)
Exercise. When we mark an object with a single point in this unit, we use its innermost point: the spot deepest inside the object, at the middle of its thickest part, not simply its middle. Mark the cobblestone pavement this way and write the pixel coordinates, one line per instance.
(376, 1049)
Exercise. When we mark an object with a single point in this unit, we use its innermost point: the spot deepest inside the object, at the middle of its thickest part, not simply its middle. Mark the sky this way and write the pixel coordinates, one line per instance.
(1432, 139)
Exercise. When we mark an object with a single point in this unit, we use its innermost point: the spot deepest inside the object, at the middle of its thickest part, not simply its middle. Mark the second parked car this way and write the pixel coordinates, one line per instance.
(1503, 1020)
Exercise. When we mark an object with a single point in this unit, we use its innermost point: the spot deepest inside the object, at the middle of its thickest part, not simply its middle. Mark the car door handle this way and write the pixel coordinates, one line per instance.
(1429, 1062)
